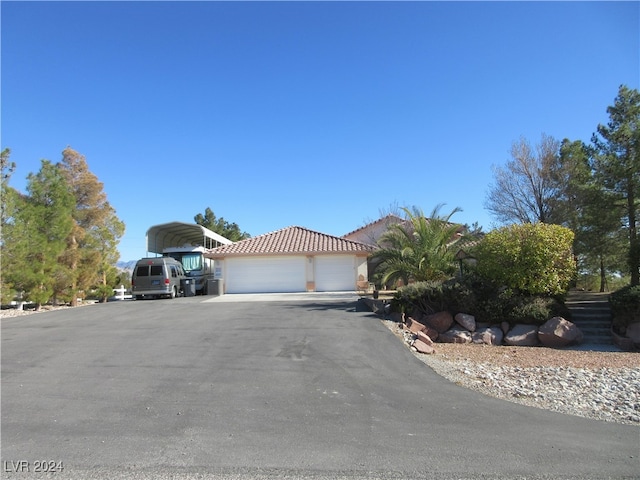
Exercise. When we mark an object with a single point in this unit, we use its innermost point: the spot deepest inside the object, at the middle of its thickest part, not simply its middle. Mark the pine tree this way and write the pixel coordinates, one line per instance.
(91, 251)
(588, 209)
(37, 237)
(230, 231)
(617, 166)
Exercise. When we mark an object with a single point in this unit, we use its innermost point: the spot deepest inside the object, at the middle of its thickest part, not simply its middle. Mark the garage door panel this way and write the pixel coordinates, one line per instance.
(335, 273)
(265, 275)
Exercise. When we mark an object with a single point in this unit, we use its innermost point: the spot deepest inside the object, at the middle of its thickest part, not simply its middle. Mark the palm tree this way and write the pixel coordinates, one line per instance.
(418, 249)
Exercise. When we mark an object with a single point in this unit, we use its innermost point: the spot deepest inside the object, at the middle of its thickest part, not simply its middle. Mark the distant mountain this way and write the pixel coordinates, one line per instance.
(127, 266)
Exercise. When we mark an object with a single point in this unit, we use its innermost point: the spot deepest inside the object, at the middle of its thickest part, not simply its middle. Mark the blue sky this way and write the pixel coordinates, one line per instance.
(317, 114)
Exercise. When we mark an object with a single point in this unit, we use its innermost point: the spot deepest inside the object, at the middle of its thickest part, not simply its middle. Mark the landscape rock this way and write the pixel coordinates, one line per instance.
(414, 325)
(467, 321)
(441, 321)
(455, 335)
(505, 327)
(558, 332)
(633, 332)
(422, 347)
(431, 332)
(522, 336)
(488, 336)
(423, 337)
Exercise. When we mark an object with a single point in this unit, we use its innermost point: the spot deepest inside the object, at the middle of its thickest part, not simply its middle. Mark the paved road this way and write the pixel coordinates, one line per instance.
(188, 388)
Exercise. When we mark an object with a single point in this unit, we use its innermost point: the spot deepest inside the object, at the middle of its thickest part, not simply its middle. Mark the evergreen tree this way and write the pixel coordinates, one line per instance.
(586, 208)
(230, 231)
(36, 239)
(8, 201)
(617, 167)
(91, 251)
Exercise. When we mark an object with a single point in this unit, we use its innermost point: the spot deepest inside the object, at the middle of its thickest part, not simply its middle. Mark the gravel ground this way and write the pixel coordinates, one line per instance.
(603, 385)
(13, 312)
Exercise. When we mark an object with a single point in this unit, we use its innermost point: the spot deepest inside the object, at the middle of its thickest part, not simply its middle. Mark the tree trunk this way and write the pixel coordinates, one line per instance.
(634, 246)
(74, 267)
(603, 275)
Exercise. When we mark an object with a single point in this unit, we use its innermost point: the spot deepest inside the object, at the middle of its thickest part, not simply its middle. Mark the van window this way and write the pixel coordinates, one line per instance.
(174, 272)
(143, 271)
(156, 270)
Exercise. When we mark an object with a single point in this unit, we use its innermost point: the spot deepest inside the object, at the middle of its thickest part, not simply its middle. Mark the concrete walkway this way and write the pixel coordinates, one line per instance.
(286, 297)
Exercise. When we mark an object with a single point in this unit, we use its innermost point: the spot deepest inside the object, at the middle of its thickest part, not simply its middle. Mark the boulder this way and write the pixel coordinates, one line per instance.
(467, 321)
(488, 336)
(455, 335)
(441, 321)
(422, 347)
(633, 332)
(432, 333)
(522, 336)
(558, 332)
(414, 326)
(423, 337)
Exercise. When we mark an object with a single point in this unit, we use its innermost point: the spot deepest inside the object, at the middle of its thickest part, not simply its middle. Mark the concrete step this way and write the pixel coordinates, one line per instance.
(592, 314)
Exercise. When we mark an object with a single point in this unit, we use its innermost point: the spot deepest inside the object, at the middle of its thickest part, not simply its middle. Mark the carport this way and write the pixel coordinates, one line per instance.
(179, 234)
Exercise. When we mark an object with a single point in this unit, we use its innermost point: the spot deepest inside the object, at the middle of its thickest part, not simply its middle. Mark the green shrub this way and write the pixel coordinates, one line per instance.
(534, 259)
(423, 296)
(625, 306)
(480, 298)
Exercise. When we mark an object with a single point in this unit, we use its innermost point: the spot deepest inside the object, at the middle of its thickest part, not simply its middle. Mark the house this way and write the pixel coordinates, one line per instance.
(293, 259)
(371, 232)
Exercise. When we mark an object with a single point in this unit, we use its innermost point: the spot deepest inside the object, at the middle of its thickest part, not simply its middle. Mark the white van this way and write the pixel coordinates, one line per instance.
(157, 277)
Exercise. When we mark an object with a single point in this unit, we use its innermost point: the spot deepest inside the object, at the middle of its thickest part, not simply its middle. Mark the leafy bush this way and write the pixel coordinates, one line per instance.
(625, 306)
(478, 297)
(515, 307)
(419, 295)
(534, 259)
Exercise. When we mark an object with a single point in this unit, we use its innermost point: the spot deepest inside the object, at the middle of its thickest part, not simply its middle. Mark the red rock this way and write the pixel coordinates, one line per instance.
(558, 333)
(441, 321)
(424, 337)
(522, 336)
(422, 347)
(415, 327)
(432, 333)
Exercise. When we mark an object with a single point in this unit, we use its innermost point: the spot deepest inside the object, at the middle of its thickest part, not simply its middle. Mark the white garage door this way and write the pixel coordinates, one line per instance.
(335, 273)
(265, 274)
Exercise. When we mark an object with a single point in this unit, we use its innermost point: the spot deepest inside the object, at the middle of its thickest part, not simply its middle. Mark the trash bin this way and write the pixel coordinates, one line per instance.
(188, 287)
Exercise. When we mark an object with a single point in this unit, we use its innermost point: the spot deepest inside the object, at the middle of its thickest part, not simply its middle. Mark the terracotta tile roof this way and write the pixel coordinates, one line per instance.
(290, 240)
(386, 220)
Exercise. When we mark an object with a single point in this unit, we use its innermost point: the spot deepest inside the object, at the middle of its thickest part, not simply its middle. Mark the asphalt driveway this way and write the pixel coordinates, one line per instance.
(306, 388)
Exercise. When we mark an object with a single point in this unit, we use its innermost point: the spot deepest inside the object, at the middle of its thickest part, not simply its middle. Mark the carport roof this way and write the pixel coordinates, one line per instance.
(291, 241)
(178, 234)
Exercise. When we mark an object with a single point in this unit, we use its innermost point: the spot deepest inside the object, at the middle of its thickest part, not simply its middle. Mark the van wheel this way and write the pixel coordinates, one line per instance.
(174, 292)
